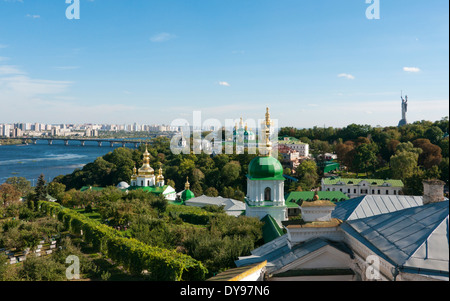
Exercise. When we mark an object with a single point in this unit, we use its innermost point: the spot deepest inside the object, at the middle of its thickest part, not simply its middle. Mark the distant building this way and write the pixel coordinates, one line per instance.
(242, 135)
(357, 187)
(295, 144)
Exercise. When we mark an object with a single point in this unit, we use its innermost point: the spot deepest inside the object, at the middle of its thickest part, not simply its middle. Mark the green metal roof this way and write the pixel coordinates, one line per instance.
(187, 195)
(294, 197)
(372, 182)
(152, 189)
(270, 229)
(265, 168)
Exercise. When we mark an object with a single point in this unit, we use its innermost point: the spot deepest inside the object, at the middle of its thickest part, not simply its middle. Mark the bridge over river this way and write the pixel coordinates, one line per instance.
(82, 141)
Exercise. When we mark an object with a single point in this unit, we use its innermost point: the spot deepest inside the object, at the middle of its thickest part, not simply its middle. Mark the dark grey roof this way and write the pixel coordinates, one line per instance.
(413, 238)
(370, 205)
(278, 254)
(229, 204)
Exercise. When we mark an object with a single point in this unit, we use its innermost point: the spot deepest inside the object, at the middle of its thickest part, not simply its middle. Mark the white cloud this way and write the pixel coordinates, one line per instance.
(10, 70)
(162, 37)
(29, 87)
(345, 75)
(226, 84)
(33, 16)
(411, 69)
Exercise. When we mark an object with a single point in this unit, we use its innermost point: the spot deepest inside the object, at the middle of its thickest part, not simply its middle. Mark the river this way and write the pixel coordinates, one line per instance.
(29, 161)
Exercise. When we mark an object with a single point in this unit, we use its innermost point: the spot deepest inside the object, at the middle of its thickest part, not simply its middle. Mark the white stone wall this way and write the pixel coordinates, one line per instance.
(255, 191)
(349, 190)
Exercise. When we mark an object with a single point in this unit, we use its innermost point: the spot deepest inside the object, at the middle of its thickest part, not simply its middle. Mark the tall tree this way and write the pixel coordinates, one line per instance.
(41, 189)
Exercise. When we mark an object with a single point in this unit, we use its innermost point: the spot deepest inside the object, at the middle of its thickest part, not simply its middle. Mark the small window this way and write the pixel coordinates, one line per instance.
(267, 194)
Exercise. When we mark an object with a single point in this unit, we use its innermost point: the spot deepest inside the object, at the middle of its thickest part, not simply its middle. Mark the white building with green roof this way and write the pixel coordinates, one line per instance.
(357, 187)
(265, 184)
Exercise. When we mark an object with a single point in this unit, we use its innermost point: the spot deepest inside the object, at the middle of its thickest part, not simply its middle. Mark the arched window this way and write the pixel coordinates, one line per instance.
(267, 194)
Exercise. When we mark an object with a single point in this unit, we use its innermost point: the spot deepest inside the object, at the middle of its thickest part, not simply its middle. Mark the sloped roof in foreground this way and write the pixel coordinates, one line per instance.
(278, 254)
(370, 205)
(415, 239)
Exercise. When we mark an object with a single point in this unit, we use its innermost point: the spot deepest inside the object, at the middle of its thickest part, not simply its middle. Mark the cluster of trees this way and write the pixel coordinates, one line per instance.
(208, 235)
(210, 175)
(411, 153)
(22, 227)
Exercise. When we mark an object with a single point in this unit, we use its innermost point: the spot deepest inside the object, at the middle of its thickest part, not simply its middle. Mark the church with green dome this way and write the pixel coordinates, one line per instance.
(265, 183)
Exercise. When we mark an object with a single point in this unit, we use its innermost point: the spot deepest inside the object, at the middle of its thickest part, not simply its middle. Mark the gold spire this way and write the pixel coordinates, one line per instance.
(160, 175)
(187, 185)
(268, 144)
(268, 121)
(146, 169)
(246, 127)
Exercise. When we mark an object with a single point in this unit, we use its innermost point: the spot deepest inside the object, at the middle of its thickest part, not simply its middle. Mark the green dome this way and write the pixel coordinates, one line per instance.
(265, 168)
(187, 195)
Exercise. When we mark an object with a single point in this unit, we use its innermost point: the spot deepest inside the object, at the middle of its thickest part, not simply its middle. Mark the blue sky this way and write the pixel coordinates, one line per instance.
(314, 63)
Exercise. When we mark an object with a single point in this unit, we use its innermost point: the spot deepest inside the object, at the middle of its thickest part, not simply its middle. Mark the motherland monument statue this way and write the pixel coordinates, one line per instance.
(404, 110)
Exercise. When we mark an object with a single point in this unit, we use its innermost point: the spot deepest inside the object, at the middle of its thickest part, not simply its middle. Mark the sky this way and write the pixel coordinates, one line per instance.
(313, 63)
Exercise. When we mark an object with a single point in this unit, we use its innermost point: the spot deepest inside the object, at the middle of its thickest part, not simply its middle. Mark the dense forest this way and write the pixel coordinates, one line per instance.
(411, 153)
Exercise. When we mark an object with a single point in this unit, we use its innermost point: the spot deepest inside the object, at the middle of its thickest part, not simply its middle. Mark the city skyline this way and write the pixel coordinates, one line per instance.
(314, 64)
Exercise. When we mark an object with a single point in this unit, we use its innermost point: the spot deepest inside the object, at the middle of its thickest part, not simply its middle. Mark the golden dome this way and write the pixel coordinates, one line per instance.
(146, 169)
(160, 177)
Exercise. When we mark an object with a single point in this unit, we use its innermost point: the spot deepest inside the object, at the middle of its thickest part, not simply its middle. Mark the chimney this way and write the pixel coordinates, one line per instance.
(433, 191)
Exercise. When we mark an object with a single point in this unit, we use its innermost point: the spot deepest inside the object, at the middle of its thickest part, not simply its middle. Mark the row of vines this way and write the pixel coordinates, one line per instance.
(135, 256)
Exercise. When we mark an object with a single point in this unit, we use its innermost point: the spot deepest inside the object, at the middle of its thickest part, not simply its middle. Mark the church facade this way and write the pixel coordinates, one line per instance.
(144, 178)
(265, 183)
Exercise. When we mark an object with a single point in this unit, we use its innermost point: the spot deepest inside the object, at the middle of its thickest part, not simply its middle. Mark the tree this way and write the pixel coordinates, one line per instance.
(345, 152)
(307, 174)
(365, 157)
(434, 134)
(21, 184)
(431, 153)
(9, 195)
(41, 189)
(230, 172)
(403, 164)
(211, 191)
(56, 190)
